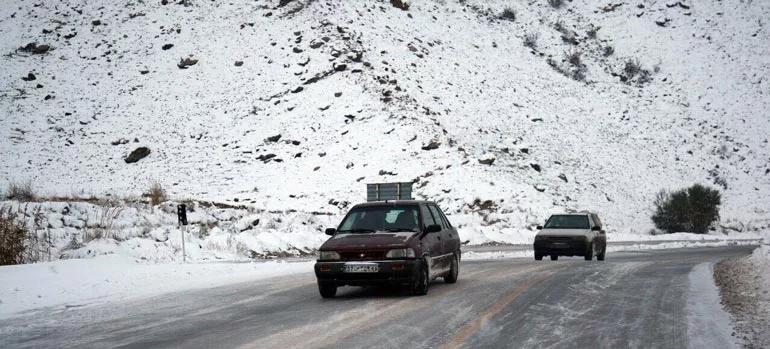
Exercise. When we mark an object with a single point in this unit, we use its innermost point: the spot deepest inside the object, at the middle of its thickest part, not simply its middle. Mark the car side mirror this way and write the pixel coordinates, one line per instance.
(539, 227)
(433, 228)
(331, 231)
(596, 228)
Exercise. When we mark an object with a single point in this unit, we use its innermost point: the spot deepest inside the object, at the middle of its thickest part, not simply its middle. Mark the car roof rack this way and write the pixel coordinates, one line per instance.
(389, 191)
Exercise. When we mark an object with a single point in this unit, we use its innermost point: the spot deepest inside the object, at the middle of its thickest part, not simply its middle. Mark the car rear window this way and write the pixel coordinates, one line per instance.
(567, 222)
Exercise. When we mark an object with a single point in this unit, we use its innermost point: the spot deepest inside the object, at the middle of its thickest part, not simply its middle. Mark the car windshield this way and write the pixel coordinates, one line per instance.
(380, 218)
(567, 222)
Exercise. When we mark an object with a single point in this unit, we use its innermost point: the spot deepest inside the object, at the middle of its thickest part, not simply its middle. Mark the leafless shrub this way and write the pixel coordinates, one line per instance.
(101, 224)
(644, 77)
(575, 72)
(20, 191)
(13, 237)
(631, 68)
(530, 40)
(591, 33)
(559, 26)
(574, 57)
(508, 14)
(579, 74)
(608, 51)
(18, 243)
(556, 3)
(156, 193)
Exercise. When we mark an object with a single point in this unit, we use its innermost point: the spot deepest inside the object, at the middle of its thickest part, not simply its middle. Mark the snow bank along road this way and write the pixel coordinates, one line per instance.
(645, 299)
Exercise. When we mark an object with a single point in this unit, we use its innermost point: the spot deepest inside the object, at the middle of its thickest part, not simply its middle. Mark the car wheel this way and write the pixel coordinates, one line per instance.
(454, 271)
(421, 280)
(554, 257)
(538, 257)
(590, 252)
(600, 256)
(327, 290)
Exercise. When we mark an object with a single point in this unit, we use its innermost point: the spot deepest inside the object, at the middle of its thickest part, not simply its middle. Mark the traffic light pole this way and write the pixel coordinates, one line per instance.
(184, 253)
(181, 213)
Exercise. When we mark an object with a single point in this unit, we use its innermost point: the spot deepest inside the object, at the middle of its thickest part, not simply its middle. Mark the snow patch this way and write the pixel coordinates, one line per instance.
(80, 282)
(708, 324)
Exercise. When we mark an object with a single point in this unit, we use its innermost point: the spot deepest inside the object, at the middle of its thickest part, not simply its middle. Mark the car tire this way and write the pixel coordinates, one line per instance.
(538, 257)
(421, 280)
(589, 251)
(554, 258)
(327, 290)
(454, 271)
(600, 256)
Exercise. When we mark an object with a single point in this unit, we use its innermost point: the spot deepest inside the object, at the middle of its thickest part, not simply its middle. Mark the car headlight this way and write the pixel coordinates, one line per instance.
(400, 253)
(579, 237)
(329, 256)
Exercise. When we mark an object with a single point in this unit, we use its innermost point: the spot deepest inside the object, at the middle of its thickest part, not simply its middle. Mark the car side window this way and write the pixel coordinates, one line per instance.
(427, 217)
(443, 216)
(437, 216)
(591, 221)
(598, 221)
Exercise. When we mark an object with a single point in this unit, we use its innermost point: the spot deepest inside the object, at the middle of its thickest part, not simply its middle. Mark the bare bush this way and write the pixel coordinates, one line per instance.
(631, 68)
(591, 33)
(644, 77)
(156, 193)
(101, 225)
(608, 51)
(579, 74)
(559, 26)
(530, 40)
(20, 191)
(556, 3)
(19, 244)
(508, 14)
(574, 58)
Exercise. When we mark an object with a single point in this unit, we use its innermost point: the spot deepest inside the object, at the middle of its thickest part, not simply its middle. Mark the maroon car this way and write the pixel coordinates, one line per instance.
(397, 243)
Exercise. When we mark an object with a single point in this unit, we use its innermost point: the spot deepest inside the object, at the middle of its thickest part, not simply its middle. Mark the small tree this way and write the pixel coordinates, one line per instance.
(692, 209)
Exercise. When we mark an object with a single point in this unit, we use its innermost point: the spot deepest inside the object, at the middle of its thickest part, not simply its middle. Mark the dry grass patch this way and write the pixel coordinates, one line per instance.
(156, 193)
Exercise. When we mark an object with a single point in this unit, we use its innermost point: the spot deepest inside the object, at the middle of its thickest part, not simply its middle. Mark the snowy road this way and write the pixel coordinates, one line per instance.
(644, 299)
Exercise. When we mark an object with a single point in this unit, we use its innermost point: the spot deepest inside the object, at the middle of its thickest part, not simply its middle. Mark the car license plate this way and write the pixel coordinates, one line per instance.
(361, 268)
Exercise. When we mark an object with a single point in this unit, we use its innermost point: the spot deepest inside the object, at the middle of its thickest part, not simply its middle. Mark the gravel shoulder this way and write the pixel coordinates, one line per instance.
(745, 291)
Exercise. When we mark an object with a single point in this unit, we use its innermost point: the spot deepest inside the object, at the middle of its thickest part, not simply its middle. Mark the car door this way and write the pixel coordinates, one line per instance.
(451, 238)
(601, 234)
(445, 235)
(431, 242)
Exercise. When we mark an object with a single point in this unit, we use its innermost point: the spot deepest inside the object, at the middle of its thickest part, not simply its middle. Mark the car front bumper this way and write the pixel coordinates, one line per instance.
(390, 272)
(561, 248)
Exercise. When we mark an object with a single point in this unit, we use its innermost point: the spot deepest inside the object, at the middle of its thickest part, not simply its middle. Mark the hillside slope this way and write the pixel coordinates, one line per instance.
(358, 90)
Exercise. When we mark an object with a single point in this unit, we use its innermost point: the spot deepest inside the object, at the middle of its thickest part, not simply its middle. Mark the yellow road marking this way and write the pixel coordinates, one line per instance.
(473, 327)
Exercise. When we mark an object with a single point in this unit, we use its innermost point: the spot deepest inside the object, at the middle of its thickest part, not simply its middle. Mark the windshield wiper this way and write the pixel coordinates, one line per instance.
(356, 231)
(400, 229)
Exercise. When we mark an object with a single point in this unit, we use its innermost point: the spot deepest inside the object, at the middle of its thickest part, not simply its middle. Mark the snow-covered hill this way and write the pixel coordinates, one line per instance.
(295, 105)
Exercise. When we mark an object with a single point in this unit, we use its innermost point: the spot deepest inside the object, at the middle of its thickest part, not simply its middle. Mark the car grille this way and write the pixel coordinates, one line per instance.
(363, 255)
(560, 238)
